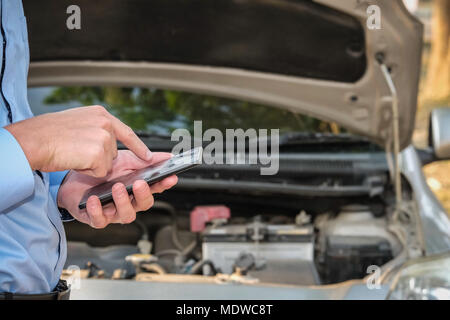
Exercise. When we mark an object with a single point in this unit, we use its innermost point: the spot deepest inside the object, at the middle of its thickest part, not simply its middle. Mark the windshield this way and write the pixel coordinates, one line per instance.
(158, 111)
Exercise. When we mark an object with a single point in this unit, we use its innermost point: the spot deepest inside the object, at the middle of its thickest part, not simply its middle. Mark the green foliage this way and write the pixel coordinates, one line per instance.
(85, 95)
(161, 111)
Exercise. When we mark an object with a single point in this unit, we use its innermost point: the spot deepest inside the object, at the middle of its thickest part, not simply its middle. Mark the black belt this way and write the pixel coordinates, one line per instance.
(61, 292)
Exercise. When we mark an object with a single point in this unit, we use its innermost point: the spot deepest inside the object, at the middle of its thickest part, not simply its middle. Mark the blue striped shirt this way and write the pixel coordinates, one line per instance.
(32, 238)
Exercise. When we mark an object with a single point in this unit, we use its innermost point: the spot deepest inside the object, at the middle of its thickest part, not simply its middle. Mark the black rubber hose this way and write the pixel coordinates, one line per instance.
(197, 268)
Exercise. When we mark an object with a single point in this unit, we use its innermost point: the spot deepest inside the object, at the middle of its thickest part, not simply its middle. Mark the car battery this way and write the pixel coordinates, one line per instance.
(281, 253)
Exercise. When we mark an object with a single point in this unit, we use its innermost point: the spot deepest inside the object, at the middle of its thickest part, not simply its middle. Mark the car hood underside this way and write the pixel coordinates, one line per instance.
(313, 57)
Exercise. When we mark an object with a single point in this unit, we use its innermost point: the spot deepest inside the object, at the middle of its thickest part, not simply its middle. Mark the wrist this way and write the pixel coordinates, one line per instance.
(65, 215)
(31, 148)
(59, 196)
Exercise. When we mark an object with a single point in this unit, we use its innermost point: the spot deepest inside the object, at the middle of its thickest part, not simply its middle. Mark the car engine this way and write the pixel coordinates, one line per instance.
(212, 241)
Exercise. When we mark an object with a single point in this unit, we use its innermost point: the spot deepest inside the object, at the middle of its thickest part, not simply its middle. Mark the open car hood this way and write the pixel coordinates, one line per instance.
(311, 57)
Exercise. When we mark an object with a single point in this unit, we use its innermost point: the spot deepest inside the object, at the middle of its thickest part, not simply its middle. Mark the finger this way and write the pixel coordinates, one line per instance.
(109, 211)
(114, 150)
(95, 173)
(87, 172)
(127, 136)
(134, 163)
(143, 198)
(101, 172)
(160, 156)
(104, 161)
(83, 216)
(95, 212)
(125, 211)
(165, 184)
(111, 154)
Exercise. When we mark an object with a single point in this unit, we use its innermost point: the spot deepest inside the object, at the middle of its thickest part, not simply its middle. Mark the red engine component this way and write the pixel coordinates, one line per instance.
(203, 214)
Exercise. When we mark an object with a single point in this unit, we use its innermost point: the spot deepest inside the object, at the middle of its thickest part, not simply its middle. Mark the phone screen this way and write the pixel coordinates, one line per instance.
(152, 174)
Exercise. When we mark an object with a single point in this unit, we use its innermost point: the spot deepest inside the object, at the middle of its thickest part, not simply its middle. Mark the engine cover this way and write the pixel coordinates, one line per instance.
(281, 253)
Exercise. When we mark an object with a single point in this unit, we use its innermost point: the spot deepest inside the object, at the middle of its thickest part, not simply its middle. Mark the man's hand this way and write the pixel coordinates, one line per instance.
(125, 207)
(83, 139)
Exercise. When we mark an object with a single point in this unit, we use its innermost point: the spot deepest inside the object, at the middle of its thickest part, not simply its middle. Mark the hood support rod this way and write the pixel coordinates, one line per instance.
(395, 132)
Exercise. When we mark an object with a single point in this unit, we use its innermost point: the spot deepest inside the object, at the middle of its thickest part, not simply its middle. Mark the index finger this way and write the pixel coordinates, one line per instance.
(127, 136)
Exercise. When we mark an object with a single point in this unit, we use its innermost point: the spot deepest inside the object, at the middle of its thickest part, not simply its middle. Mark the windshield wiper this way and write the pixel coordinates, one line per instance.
(290, 139)
(158, 141)
(153, 141)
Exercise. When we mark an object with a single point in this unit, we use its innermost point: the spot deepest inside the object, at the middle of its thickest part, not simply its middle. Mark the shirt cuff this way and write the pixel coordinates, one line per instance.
(16, 176)
(55, 182)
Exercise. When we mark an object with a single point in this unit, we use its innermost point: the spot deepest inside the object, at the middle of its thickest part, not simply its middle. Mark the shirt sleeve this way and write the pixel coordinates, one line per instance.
(55, 182)
(16, 176)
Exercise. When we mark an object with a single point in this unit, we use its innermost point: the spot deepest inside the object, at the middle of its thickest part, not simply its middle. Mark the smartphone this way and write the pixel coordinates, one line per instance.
(152, 174)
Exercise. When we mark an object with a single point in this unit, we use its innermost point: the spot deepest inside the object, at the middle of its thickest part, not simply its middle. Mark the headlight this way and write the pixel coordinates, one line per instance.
(423, 279)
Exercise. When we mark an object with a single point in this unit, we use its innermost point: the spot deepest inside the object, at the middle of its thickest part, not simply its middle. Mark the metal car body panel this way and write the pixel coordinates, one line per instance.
(136, 290)
(435, 225)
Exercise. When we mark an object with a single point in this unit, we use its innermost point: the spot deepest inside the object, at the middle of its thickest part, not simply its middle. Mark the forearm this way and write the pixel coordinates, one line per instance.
(16, 175)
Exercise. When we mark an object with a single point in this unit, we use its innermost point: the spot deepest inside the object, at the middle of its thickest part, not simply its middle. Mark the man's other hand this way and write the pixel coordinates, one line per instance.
(124, 208)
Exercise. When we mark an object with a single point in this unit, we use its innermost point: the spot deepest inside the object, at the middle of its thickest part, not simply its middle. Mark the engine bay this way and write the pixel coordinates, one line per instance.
(244, 238)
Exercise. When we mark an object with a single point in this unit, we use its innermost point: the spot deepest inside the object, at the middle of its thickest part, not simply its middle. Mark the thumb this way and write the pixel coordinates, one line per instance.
(133, 162)
(128, 160)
